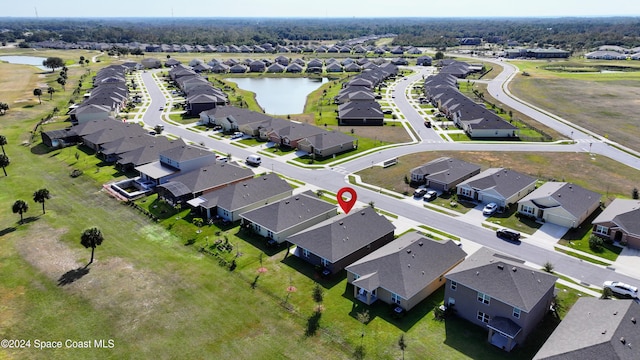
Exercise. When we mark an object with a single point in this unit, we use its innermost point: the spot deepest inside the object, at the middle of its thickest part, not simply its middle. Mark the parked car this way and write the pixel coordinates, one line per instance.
(621, 289)
(490, 209)
(237, 135)
(427, 123)
(419, 193)
(388, 112)
(430, 195)
(161, 108)
(508, 234)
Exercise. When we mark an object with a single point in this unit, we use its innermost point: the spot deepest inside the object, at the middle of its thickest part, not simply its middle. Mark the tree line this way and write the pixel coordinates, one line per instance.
(573, 33)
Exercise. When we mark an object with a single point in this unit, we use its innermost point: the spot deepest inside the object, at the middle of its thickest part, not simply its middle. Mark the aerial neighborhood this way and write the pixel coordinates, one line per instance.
(418, 201)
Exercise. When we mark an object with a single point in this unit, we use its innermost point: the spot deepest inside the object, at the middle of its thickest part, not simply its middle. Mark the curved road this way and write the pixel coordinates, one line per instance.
(334, 178)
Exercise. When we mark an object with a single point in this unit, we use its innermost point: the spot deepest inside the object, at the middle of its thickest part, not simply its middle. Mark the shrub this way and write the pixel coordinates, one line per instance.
(548, 267)
(595, 243)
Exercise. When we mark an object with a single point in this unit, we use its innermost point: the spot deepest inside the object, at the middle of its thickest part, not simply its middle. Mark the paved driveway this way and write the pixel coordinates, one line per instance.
(548, 235)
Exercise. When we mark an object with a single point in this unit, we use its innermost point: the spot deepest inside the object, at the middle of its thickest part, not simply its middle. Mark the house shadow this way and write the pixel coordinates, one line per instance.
(8, 230)
(72, 275)
(259, 242)
(404, 321)
(42, 149)
(310, 271)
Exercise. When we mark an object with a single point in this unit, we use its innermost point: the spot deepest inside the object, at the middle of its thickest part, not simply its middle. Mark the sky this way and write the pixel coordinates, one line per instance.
(320, 8)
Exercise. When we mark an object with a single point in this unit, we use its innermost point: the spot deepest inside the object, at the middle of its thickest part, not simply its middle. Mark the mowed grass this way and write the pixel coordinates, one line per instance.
(600, 102)
(603, 175)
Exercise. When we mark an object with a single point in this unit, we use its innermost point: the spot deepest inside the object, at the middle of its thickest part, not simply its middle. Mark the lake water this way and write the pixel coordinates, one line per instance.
(280, 96)
(25, 60)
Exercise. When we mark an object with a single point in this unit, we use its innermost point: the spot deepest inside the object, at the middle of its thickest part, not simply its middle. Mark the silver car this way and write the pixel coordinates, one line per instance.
(621, 289)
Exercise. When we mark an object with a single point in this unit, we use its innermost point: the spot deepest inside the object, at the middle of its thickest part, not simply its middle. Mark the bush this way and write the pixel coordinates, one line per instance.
(595, 243)
(75, 173)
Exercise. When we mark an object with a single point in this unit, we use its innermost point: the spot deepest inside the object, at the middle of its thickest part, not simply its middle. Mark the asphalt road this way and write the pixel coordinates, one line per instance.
(333, 179)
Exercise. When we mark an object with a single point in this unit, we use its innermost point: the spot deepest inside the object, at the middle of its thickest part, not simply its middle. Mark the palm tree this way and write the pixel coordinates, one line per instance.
(38, 92)
(91, 238)
(4, 162)
(62, 82)
(20, 207)
(40, 196)
(3, 142)
(51, 90)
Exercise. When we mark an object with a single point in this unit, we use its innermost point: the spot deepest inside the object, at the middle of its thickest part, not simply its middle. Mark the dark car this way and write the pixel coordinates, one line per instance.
(430, 195)
(419, 193)
(427, 123)
(508, 234)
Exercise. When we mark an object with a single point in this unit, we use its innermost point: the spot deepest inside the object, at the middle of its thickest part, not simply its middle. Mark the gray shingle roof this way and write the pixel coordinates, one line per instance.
(594, 329)
(328, 139)
(184, 152)
(504, 181)
(336, 238)
(406, 265)
(573, 198)
(209, 177)
(624, 213)
(247, 192)
(288, 212)
(503, 278)
(445, 169)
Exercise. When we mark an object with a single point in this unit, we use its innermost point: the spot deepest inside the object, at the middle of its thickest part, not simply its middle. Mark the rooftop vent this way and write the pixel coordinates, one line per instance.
(408, 251)
(604, 332)
(286, 202)
(623, 340)
(408, 265)
(477, 273)
(615, 313)
(514, 269)
(420, 243)
(340, 223)
(633, 320)
(423, 273)
(501, 267)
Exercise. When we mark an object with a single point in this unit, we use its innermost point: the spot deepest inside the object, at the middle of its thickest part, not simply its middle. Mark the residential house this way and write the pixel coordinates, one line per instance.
(405, 271)
(182, 158)
(620, 222)
(424, 60)
(257, 66)
(151, 63)
(292, 133)
(443, 173)
(560, 203)
(231, 201)
(595, 329)
(295, 68)
(334, 67)
(327, 143)
(499, 185)
(231, 118)
(279, 220)
(191, 184)
(501, 294)
(276, 68)
(360, 113)
(339, 241)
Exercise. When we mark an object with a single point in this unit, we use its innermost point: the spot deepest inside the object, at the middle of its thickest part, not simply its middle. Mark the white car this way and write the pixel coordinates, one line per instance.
(490, 209)
(621, 289)
(237, 135)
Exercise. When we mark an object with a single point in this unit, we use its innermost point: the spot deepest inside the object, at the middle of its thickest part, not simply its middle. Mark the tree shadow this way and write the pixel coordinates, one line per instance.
(28, 219)
(8, 230)
(72, 275)
(313, 323)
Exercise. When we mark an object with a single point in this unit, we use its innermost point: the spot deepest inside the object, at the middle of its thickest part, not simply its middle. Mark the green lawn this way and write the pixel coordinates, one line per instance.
(512, 219)
(578, 239)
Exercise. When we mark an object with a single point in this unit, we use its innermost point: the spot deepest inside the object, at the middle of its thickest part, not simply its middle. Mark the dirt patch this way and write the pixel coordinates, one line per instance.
(112, 284)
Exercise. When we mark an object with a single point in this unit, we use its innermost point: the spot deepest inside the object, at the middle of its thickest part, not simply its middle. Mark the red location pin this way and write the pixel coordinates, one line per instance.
(346, 205)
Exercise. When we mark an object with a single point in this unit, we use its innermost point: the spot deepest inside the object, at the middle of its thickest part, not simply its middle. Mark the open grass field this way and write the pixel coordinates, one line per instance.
(602, 175)
(577, 91)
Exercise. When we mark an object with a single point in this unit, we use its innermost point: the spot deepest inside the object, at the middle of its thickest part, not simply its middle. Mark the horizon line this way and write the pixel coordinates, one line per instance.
(333, 17)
